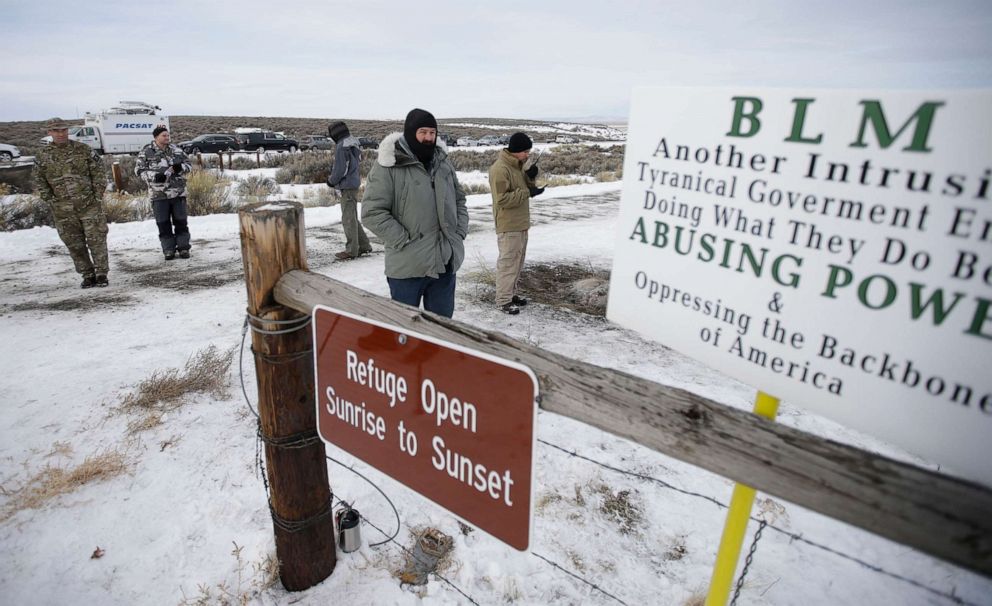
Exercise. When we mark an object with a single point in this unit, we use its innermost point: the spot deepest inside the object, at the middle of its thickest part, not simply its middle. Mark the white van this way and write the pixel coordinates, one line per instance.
(124, 129)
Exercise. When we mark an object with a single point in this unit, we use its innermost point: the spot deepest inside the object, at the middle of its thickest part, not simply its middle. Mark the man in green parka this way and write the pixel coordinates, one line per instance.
(414, 203)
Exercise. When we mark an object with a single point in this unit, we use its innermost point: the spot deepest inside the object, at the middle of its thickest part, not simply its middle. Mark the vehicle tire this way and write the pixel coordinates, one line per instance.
(6, 156)
(260, 149)
(292, 149)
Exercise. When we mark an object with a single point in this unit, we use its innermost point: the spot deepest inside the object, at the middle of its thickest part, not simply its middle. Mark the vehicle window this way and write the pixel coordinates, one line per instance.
(87, 132)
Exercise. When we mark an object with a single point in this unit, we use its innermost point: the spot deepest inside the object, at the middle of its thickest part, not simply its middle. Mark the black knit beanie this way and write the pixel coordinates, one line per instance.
(519, 142)
(158, 131)
(338, 131)
(419, 118)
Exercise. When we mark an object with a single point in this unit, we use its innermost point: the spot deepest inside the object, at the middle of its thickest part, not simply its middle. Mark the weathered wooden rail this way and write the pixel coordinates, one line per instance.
(936, 514)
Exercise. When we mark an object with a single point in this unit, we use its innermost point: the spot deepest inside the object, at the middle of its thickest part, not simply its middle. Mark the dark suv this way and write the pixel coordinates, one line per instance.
(209, 144)
(367, 143)
(316, 142)
(267, 141)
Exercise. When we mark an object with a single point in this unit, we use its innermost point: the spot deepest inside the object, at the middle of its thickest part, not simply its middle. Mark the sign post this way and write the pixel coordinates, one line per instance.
(454, 425)
(738, 516)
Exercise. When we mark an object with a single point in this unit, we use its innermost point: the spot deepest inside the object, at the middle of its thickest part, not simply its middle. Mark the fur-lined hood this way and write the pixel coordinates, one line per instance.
(350, 141)
(387, 151)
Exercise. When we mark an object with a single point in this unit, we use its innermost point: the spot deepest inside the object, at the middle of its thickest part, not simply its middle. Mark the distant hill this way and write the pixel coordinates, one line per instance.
(27, 135)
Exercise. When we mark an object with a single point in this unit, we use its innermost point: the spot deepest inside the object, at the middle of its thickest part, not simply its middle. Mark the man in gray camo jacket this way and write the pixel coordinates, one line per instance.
(163, 166)
(70, 179)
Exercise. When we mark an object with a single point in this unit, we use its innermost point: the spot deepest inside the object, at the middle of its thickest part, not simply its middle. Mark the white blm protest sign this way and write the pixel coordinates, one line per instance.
(831, 248)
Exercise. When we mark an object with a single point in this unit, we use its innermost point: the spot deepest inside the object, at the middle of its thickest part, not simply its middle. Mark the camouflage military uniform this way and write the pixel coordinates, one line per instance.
(168, 197)
(70, 178)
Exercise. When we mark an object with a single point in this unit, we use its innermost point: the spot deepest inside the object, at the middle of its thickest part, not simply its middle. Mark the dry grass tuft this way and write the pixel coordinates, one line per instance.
(53, 480)
(562, 180)
(545, 500)
(257, 187)
(165, 391)
(206, 194)
(696, 599)
(677, 550)
(323, 197)
(264, 575)
(23, 212)
(123, 207)
(475, 188)
(618, 506)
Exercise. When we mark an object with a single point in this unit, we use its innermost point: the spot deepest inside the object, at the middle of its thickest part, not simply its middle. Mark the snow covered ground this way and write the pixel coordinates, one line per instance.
(188, 520)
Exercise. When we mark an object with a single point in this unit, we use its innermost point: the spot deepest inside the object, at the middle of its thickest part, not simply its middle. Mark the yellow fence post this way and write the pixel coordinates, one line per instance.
(738, 515)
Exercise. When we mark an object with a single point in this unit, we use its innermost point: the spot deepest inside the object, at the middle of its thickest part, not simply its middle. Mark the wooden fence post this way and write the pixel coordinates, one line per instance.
(220, 158)
(272, 244)
(115, 170)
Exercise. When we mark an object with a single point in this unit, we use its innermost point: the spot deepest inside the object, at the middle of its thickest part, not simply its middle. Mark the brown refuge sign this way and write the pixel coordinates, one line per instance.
(454, 425)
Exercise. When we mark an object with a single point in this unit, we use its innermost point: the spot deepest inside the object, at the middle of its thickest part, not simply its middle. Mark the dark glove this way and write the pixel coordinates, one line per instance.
(177, 167)
(159, 177)
(532, 172)
(536, 191)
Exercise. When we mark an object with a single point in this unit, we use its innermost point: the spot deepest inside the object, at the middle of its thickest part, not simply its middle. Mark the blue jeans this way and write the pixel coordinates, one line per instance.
(438, 293)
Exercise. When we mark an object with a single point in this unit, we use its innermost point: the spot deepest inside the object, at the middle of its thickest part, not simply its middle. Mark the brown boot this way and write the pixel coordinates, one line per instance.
(343, 256)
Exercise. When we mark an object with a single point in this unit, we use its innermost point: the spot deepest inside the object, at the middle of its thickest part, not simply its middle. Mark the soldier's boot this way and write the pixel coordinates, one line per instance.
(184, 254)
(101, 281)
(88, 282)
(170, 255)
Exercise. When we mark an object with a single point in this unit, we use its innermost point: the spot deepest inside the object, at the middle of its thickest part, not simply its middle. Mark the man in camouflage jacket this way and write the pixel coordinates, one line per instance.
(71, 180)
(163, 167)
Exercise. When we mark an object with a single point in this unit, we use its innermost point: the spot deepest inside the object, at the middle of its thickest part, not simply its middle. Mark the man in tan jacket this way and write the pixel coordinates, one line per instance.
(512, 188)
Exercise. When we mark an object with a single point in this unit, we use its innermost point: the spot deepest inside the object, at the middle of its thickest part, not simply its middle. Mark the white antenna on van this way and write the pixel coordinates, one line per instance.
(135, 107)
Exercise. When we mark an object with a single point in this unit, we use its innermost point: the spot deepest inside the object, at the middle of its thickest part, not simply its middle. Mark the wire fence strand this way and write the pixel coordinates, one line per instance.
(792, 536)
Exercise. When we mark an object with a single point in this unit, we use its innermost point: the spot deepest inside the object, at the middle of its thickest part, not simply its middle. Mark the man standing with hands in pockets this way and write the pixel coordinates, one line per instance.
(345, 178)
(414, 203)
(512, 188)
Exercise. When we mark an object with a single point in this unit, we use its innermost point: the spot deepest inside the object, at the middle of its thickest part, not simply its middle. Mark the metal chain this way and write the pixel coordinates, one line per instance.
(747, 563)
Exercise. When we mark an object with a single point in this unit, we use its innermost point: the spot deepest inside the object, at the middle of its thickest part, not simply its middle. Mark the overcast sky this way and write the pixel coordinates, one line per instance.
(370, 59)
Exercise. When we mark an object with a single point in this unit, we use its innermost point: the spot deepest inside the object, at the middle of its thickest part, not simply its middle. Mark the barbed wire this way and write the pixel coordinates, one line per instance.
(572, 574)
(792, 536)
